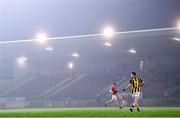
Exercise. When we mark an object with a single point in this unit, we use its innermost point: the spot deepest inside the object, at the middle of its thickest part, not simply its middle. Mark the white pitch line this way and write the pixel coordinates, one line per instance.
(91, 35)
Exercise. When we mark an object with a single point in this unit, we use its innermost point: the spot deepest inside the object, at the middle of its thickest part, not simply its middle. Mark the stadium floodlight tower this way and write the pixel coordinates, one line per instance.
(21, 60)
(132, 51)
(41, 38)
(108, 32)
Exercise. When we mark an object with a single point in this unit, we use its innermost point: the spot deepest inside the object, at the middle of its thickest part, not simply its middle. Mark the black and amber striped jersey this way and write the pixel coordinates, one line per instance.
(136, 84)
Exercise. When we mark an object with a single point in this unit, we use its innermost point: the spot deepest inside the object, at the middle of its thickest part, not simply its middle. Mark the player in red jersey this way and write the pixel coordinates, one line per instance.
(115, 98)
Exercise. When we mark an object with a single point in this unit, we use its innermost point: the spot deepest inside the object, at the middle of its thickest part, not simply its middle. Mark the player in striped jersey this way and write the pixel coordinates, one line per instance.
(135, 83)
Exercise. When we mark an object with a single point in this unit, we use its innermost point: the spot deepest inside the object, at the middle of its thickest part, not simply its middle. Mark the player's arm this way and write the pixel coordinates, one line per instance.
(110, 90)
(127, 86)
(141, 82)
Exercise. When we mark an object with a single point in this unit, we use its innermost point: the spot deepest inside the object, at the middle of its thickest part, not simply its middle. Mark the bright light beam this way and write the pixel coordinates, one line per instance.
(132, 51)
(49, 49)
(108, 32)
(70, 65)
(107, 44)
(41, 38)
(177, 39)
(21, 60)
(91, 35)
(75, 55)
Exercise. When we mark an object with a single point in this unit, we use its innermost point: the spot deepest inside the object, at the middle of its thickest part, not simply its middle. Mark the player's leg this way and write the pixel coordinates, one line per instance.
(135, 103)
(123, 101)
(132, 107)
(109, 102)
(123, 104)
(116, 99)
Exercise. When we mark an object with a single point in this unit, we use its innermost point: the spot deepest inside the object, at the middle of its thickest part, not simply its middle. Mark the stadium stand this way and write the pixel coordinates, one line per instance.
(25, 89)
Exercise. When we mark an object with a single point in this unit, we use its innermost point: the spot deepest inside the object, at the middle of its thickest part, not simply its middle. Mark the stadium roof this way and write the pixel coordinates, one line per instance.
(146, 42)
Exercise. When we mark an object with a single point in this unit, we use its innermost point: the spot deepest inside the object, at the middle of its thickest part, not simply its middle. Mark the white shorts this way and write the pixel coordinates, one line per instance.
(123, 103)
(114, 97)
(137, 94)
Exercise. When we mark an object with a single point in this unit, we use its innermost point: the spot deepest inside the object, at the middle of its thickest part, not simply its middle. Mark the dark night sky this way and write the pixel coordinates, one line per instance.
(22, 19)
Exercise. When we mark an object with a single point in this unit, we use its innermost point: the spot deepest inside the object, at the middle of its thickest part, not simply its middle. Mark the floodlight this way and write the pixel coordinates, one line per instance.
(75, 55)
(177, 39)
(49, 49)
(41, 38)
(132, 50)
(108, 32)
(21, 60)
(70, 65)
(108, 44)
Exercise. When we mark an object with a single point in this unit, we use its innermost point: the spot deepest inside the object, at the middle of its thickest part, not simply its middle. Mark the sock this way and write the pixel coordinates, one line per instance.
(138, 109)
(132, 107)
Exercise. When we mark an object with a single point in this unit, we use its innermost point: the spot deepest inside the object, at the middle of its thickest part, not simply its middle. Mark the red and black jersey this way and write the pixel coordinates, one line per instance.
(114, 90)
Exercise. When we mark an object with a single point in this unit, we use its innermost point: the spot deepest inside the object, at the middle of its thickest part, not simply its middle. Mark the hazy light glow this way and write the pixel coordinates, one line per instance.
(108, 44)
(132, 51)
(92, 35)
(41, 38)
(178, 26)
(70, 65)
(21, 60)
(49, 49)
(75, 55)
(177, 39)
(108, 32)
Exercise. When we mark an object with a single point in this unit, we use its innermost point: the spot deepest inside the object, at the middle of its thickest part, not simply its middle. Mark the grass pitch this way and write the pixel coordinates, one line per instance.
(91, 112)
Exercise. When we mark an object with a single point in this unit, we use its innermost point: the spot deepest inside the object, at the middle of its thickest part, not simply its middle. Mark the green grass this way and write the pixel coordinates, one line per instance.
(92, 112)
